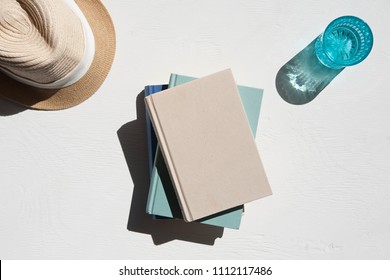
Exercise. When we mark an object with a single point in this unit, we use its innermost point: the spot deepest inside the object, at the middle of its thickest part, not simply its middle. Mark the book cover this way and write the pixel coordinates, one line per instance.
(162, 199)
(213, 163)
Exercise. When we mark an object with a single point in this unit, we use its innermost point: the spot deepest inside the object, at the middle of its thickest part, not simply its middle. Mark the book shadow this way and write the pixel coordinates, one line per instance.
(8, 108)
(303, 77)
(132, 137)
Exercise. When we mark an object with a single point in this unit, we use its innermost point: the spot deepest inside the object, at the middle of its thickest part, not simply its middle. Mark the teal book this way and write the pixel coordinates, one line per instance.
(162, 200)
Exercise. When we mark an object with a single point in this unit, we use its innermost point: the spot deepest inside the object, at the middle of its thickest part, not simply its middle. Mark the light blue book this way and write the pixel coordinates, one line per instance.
(162, 200)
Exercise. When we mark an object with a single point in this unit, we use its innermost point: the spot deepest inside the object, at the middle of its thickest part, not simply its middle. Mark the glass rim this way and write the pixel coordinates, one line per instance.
(331, 24)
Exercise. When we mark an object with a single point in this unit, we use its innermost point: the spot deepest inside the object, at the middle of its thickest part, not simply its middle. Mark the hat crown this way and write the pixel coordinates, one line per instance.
(14, 19)
(40, 40)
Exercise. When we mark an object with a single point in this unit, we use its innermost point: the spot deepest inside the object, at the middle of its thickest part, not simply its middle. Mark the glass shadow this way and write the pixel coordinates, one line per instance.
(302, 78)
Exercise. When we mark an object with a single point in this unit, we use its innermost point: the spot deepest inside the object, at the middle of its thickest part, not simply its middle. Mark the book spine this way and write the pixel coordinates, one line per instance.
(152, 173)
(152, 192)
(165, 150)
(149, 134)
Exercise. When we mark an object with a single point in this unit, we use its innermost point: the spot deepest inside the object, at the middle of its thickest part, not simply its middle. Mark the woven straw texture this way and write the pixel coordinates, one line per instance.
(47, 33)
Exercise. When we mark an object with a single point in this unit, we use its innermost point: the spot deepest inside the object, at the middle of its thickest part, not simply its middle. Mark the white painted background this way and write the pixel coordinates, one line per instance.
(67, 190)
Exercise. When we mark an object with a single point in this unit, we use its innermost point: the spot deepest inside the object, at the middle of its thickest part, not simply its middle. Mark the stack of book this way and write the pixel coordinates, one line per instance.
(203, 160)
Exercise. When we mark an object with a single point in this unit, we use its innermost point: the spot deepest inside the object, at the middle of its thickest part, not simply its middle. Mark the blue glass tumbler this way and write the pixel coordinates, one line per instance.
(346, 41)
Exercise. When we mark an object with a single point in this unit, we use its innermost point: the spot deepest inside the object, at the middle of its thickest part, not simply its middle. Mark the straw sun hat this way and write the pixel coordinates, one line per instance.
(54, 54)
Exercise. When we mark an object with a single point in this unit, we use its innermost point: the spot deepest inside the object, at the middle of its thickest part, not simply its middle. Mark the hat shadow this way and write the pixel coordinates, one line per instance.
(8, 108)
(303, 77)
(132, 137)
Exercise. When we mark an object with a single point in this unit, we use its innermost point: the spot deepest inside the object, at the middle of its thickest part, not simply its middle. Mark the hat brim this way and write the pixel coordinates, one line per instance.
(58, 99)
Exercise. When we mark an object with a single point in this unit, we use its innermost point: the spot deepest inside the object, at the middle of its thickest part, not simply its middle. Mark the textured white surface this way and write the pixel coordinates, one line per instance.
(66, 187)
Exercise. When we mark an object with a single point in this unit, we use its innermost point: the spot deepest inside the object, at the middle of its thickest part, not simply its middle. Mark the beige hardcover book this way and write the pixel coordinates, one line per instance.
(208, 145)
